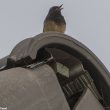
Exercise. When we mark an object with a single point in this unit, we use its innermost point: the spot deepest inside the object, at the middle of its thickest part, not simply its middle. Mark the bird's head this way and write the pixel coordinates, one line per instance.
(55, 10)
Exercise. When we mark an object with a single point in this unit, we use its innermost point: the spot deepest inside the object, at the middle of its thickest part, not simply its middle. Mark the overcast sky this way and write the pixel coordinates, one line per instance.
(88, 21)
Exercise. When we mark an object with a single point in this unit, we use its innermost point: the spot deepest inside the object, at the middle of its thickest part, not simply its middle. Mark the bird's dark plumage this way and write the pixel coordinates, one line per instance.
(54, 20)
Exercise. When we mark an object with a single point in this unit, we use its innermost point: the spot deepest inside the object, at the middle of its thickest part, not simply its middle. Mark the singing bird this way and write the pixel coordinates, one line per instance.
(54, 20)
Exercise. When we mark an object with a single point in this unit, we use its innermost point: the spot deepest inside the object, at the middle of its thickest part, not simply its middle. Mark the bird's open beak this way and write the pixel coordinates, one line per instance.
(60, 7)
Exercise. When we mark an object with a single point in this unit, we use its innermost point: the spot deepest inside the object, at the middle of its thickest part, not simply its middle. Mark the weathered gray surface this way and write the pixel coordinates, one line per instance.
(88, 102)
(38, 89)
(30, 47)
(3, 61)
(97, 70)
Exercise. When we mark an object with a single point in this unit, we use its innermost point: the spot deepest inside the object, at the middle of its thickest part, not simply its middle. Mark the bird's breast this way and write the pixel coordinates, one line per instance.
(52, 26)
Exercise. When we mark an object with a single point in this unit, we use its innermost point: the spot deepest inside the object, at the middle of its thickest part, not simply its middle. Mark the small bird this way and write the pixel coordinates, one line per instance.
(54, 20)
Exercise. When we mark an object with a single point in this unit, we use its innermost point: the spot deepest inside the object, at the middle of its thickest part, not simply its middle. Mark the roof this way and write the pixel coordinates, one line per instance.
(36, 89)
(63, 49)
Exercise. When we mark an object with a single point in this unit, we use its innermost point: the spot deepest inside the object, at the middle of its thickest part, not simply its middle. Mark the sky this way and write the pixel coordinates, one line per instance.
(88, 21)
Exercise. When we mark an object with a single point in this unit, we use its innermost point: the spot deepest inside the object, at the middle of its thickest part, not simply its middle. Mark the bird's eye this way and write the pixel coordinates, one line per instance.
(57, 9)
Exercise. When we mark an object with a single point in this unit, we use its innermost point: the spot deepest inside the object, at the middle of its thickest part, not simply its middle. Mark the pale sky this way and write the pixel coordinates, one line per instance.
(88, 21)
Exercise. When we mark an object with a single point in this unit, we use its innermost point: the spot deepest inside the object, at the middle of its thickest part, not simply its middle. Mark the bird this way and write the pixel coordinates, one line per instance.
(55, 21)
